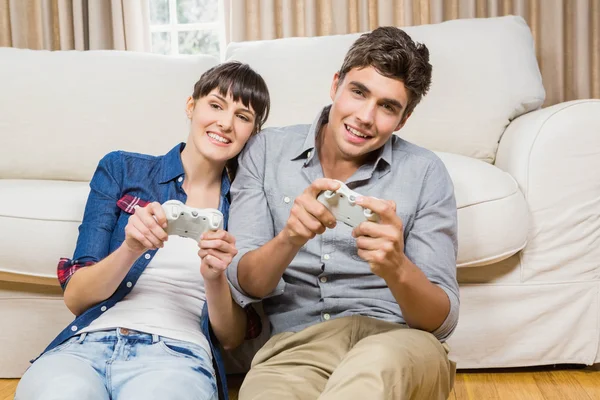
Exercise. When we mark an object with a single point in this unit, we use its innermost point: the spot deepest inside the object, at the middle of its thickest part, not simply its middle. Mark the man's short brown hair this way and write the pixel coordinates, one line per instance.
(394, 55)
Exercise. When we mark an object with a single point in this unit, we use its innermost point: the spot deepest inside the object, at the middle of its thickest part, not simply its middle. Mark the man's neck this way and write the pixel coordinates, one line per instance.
(333, 162)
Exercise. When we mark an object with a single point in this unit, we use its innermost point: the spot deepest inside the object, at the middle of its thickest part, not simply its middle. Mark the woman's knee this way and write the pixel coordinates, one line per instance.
(57, 377)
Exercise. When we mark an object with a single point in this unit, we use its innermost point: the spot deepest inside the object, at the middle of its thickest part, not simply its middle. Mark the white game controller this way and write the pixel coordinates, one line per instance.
(342, 204)
(191, 222)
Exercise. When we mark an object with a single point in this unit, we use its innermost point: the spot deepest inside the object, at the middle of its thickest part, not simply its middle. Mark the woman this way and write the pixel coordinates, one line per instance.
(142, 329)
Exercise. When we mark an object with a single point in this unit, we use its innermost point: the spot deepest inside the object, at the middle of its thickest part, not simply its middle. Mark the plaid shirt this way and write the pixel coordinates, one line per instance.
(121, 182)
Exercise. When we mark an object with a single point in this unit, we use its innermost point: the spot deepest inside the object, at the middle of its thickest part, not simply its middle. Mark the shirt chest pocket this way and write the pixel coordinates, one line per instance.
(280, 205)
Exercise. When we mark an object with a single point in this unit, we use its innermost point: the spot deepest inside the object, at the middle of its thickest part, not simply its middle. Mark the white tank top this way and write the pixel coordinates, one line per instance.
(167, 299)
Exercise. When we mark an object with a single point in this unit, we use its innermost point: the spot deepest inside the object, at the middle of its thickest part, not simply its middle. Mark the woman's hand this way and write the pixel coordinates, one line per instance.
(217, 249)
(145, 229)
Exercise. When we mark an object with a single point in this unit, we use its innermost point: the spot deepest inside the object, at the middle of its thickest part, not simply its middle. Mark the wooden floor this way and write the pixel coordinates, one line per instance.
(512, 384)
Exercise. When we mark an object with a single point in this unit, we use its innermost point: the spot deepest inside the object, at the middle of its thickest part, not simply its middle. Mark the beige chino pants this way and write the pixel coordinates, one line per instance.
(351, 358)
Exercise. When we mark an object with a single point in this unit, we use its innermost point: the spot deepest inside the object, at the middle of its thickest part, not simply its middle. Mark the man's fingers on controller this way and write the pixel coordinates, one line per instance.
(321, 185)
(392, 204)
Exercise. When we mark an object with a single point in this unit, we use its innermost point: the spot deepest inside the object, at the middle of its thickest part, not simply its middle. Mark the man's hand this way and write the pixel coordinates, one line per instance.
(308, 216)
(381, 244)
(145, 229)
(217, 249)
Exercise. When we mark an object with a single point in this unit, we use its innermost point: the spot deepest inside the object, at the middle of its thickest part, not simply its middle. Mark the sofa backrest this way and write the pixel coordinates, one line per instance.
(60, 112)
(484, 74)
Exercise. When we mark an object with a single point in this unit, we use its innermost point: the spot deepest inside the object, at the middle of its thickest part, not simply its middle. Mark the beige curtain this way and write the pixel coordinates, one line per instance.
(566, 32)
(75, 24)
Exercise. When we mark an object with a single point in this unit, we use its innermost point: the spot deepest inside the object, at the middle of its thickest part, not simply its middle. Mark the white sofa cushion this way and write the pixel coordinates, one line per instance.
(493, 216)
(484, 74)
(39, 219)
(60, 112)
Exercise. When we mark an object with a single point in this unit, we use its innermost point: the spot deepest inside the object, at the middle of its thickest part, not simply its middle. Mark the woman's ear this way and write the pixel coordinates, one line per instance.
(189, 107)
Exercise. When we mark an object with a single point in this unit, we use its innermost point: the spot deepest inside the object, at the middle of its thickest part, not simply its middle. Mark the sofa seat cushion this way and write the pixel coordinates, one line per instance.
(40, 221)
(493, 217)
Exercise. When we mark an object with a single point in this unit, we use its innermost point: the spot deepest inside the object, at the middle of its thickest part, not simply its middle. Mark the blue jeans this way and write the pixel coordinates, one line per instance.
(120, 364)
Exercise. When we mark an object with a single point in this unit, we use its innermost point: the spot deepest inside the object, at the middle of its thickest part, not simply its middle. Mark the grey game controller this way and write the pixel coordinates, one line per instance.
(191, 222)
(342, 204)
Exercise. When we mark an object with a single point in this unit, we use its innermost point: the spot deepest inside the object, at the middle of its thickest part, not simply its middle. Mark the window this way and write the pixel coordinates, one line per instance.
(187, 27)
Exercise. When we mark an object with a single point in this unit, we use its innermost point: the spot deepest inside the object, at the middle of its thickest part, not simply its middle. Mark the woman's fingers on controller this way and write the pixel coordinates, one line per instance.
(217, 244)
(159, 214)
(139, 223)
(148, 215)
(131, 231)
(215, 262)
(219, 234)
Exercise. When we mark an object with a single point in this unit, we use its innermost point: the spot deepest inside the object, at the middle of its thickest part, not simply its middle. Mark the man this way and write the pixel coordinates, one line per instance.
(355, 313)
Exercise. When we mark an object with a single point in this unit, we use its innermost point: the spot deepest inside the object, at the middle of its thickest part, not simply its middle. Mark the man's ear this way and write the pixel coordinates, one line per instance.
(403, 121)
(189, 106)
(334, 85)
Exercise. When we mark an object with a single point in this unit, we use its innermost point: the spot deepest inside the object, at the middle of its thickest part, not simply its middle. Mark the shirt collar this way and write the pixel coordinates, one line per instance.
(384, 153)
(225, 184)
(309, 143)
(171, 166)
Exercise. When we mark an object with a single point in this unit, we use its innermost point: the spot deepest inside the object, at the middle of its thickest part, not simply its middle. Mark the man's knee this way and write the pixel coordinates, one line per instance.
(395, 355)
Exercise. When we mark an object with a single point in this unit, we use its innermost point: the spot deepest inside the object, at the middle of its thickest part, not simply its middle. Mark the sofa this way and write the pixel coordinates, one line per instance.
(527, 178)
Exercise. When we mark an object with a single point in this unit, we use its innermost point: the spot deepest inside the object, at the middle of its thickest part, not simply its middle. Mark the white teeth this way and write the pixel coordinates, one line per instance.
(355, 132)
(219, 138)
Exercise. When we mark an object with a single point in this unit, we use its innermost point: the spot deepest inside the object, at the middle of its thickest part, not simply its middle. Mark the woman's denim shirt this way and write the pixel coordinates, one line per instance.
(123, 180)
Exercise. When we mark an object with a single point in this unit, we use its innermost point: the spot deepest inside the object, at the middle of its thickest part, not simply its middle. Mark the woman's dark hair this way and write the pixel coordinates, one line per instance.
(243, 84)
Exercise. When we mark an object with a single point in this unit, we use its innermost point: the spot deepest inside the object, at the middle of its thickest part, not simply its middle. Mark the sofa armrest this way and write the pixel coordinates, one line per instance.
(554, 155)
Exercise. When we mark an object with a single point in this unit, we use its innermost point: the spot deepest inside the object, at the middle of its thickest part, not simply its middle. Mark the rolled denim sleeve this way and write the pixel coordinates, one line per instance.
(431, 243)
(99, 218)
(250, 220)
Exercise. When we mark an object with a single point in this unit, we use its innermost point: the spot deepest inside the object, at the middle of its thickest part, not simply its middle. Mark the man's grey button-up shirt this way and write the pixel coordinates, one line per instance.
(327, 279)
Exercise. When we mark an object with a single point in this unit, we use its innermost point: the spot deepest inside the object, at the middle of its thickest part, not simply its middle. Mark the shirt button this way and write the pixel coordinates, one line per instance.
(147, 256)
(286, 199)
(326, 317)
(74, 328)
(323, 279)
(180, 179)
(103, 308)
(326, 256)
(129, 284)
(308, 154)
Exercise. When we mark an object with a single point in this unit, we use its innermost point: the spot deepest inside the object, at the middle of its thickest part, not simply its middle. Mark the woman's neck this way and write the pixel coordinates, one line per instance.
(202, 182)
